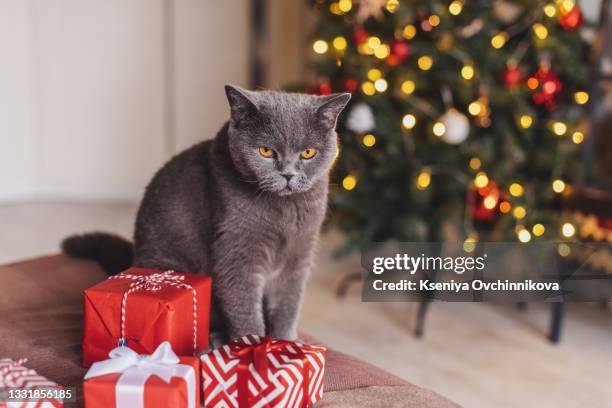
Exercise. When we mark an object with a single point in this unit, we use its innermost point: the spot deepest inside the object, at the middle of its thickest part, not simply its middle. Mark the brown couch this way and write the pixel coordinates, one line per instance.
(41, 319)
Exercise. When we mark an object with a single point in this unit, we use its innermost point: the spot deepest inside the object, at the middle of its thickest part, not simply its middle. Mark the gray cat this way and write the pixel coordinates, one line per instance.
(245, 208)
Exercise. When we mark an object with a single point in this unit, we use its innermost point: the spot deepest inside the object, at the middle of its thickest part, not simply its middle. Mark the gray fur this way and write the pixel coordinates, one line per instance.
(220, 208)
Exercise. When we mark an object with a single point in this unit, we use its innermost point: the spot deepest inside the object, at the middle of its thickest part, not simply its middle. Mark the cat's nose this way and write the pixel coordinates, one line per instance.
(288, 177)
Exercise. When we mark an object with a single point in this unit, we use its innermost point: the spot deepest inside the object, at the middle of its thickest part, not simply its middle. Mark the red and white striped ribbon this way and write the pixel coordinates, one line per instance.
(153, 283)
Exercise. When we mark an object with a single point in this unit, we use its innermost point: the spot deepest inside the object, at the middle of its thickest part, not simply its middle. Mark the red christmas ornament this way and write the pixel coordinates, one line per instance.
(360, 36)
(392, 60)
(512, 76)
(400, 50)
(484, 202)
(325, 88)
(351, 85)
(547, 87)
(572, 19)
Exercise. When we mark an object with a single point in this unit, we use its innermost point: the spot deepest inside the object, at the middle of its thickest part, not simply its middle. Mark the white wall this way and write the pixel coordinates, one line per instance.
(211, 46)
(17, 145)
(96, 94)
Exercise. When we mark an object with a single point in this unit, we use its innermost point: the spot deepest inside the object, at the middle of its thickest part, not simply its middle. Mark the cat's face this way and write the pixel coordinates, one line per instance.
(283, 142)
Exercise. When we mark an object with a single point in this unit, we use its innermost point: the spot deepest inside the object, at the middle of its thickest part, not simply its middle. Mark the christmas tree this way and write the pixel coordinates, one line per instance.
(463, 112)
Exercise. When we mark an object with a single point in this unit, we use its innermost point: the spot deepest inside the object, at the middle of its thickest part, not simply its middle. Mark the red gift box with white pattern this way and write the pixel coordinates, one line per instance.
(15, 376)
(142, 308)
(263, 372)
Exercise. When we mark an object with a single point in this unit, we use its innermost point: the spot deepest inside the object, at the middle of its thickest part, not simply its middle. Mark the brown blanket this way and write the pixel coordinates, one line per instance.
(41, 319)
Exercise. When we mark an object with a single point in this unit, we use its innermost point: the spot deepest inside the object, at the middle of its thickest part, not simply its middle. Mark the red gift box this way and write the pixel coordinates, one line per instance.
(30, 389)
(142, 308)
(263, 372)
(130, 380)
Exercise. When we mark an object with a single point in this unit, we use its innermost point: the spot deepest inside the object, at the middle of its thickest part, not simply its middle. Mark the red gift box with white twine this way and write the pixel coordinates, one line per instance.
(263, 372)
(15, 376)
(142, 308)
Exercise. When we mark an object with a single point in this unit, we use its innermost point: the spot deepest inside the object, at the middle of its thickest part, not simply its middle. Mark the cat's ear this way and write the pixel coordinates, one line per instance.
(241, 105)
(330, 107)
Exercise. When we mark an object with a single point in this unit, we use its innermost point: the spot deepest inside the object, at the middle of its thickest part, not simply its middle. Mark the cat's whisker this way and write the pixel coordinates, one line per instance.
(258, 193)
(258, 196)
(249, 181)
(306, 204)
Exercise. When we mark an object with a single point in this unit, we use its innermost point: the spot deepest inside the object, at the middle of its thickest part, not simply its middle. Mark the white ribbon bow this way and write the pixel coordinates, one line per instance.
(136, 369)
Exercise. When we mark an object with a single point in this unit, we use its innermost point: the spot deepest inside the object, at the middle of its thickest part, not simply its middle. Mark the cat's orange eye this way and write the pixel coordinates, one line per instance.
(265, 151)
(308, 153)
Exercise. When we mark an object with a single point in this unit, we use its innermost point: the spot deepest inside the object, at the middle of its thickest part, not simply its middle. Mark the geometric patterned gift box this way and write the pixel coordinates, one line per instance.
(263, 372)
(26, 388)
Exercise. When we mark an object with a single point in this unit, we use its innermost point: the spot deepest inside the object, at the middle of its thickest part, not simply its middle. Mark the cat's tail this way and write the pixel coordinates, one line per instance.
(112, 252)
